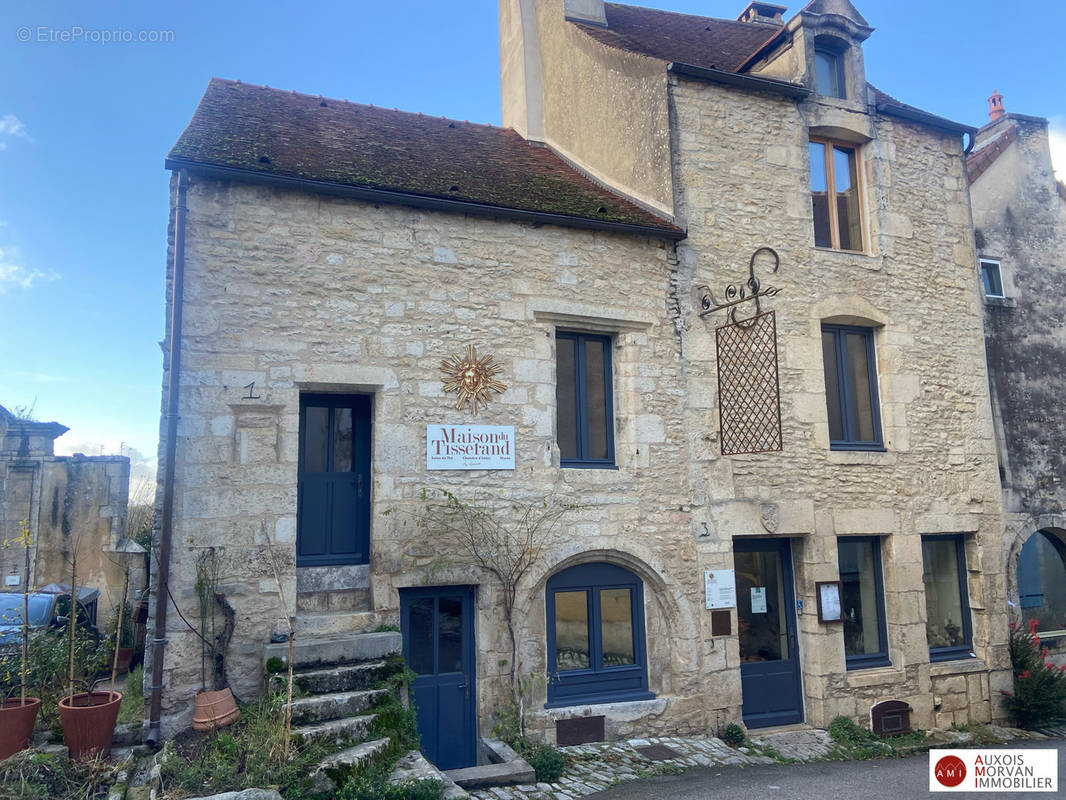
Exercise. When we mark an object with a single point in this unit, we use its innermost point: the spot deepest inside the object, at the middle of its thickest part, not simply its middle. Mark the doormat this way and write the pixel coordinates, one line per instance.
(658, 752)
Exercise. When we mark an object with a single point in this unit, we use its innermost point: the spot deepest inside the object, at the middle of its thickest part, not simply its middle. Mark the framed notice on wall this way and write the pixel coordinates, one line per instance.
(470, 447)
(829, 605)
(720, 586)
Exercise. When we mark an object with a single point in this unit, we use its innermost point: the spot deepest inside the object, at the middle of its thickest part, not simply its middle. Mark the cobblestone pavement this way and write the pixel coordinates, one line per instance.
(594, 767)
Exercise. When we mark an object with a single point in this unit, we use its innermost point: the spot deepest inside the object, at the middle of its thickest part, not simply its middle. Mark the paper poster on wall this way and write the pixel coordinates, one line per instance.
(758, 599)
(720, 588)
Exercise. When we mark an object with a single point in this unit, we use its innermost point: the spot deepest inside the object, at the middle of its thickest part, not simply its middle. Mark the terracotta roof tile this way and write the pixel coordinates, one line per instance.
(684, 38)
(980, 160)
(278, 133)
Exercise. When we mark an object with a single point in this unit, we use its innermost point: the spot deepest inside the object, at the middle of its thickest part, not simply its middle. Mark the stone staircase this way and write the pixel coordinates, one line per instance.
(339, 677)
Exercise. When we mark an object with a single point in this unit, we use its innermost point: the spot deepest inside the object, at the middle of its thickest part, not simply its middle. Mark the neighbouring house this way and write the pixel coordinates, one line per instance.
(71, 504)
(727, 287)
(1019, 214)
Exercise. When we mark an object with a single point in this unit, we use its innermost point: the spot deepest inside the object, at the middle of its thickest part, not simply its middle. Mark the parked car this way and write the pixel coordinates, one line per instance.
(48, 608)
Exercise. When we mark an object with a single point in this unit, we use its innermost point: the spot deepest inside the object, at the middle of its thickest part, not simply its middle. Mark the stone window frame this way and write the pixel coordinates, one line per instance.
(598, 683)
(844, 392)
(582, 459)
(831, 207)
(965, 650)
(881, 658)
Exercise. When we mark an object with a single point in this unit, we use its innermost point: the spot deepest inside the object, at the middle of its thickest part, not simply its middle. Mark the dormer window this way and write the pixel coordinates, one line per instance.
(829, 77)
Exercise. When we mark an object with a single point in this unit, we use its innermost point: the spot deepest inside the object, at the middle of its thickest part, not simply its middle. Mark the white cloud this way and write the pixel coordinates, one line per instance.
(1057, 140)
(14, 275)
(12, 127)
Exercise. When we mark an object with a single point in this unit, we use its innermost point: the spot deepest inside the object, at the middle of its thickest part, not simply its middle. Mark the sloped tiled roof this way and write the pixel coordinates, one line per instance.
(270, 132)
(887, 104)
(685, 38)
(980, 160)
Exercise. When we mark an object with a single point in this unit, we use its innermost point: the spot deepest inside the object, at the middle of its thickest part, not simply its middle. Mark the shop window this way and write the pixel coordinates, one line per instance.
(584, 400)
(947, 604)
(595, 616)
(835, 195)
(1041, 578)
(851, 388)
(991, 278)
(863, 596)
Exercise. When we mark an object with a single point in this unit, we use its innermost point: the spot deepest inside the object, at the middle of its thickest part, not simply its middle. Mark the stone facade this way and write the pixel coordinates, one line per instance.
(1019, 213)
(69, 502)
(294, 292)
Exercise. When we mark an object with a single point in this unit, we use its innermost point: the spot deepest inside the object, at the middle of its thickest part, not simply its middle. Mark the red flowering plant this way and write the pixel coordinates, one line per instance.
(1039, 696)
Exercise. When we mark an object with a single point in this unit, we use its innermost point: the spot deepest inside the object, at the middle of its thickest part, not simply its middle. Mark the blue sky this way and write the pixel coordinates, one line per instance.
(85, 124)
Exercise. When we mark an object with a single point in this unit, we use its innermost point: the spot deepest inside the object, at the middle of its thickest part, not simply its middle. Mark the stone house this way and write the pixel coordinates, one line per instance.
(70, 503)
(788, 504)
(1019, 213)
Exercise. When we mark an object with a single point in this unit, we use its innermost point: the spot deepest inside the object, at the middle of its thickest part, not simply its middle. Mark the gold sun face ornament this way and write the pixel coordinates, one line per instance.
(471, 378)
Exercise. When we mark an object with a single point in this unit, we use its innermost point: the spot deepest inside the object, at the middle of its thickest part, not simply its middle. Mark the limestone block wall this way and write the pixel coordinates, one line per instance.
(295, 292)
(913, 283)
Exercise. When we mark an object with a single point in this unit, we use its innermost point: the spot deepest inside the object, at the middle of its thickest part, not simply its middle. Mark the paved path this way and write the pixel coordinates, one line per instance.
(888, 779)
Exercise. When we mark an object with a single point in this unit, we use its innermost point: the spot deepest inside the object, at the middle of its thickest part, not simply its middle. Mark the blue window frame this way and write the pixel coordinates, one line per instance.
(851, 388)
(991, 278)
(585, 402)
(947, 603)
(863, 597)
(596, 653)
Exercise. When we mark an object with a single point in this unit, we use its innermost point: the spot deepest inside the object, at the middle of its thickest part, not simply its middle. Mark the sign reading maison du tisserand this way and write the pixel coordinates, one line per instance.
(469, 447)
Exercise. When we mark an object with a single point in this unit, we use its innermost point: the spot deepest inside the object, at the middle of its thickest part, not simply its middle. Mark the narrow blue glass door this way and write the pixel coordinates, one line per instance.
(438, 644)
(766, 626)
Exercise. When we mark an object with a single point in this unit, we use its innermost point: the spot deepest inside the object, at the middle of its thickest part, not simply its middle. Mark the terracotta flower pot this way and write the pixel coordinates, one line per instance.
(125, 656)
(89, 722)
(16, 725)
(214, 710)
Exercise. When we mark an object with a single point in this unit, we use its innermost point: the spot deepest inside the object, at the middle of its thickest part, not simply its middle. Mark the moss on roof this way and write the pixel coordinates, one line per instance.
(274, 132)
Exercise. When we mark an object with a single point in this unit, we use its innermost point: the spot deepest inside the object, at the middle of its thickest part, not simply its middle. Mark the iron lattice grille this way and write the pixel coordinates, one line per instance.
(749, 395)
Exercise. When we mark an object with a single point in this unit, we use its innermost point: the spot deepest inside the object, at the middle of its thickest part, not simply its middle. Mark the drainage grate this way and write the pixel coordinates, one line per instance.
(658, 752)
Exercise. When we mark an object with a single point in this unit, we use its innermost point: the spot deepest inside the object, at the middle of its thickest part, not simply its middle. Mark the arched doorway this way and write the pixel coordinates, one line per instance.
(1041, 581)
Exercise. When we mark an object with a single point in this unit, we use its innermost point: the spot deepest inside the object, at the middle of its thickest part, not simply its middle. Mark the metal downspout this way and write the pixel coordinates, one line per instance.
(162, 589)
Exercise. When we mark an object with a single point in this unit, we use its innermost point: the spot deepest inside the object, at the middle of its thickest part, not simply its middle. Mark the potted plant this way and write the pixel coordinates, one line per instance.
(18, 717)
(88, 718)
(214, 708)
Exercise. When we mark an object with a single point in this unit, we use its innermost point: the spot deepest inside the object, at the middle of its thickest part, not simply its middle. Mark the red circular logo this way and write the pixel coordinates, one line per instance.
(950, 771)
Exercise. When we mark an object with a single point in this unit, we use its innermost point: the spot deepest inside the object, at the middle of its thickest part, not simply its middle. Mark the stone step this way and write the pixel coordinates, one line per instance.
(333, 623)
(414, 767)
(342, 648)
(334, 770)
(345, 678)
(324, 707)
(337, 732)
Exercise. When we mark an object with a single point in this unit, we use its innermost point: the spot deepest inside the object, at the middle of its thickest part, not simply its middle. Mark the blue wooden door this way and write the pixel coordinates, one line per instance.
(766, 626)
(438, 644)
(333, 491)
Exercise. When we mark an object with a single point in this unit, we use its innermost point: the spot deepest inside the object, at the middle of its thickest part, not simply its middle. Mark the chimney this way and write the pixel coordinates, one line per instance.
(587, 12)
(995, 106)
(763, 13)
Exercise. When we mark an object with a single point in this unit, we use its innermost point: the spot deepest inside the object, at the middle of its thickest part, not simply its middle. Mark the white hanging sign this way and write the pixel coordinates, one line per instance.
(720, 586)
(470, 447)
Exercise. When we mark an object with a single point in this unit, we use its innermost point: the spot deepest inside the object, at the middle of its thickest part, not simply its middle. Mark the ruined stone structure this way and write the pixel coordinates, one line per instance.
(1019, 213)
(334, 254)
(69, 502)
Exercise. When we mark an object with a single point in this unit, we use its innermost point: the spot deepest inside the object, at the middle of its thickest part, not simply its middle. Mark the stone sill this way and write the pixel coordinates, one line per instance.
(1001, 302)
(884, 458)
(876, 676)
(856, 257)
(625, 711)
(959, 666)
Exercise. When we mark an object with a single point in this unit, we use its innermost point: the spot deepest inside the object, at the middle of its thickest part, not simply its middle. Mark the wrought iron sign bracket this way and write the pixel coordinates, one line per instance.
(735, 295)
